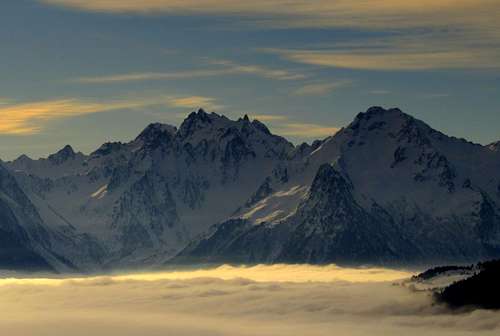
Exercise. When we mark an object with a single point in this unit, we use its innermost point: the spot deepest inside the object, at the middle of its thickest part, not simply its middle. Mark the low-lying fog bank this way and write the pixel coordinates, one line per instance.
(237, 301)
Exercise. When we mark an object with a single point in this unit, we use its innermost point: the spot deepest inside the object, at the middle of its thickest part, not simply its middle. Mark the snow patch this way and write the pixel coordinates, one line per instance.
(100, 193)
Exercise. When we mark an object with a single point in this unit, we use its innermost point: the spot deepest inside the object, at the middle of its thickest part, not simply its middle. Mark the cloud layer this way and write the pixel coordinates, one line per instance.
(31, 117)
(366, 13)
(225, 68)
(262, 300)
(450, 33)
(285, 126)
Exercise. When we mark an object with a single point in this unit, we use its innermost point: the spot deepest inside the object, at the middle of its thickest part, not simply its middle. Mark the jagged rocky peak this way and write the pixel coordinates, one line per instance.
(403, 127)
(377, 111)
(23, 162)
(154, 130)
(377, 117)
(63, 155)
(244, 119)
(495, 146)
(254, 124)
(260, 126)
(22, 159)
(330, 181)
(108, 148)
(156, 134)
(200, 120)
(201, 126)
(395, 124)
(305, 149)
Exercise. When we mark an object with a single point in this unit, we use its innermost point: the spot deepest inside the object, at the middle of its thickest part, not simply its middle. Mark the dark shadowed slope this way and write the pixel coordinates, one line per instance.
(386, 189)
(17, 248)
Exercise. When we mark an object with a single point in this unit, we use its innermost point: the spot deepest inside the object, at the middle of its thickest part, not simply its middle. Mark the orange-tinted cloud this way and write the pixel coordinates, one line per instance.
(463, 33)
(360, 13)
(394, 59)
(29, 118)
(305, 130)
(194, 102)
(224, 68)
(285, 126)
(32, 117)
(321, 88)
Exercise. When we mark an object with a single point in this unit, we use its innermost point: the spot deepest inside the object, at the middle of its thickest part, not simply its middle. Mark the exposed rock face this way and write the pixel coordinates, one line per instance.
(330, 226)
(141, 202)
(385, 189)
(17, 251)
(146, 216)
(67, 153)
(26, 243)
(495, 146)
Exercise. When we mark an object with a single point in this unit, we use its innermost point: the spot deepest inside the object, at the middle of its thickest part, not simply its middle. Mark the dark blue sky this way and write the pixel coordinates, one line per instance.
(86, 72)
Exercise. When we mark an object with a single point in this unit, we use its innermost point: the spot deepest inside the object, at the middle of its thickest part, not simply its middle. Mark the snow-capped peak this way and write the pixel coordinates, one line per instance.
(22, 159)
(495, 146)
(377, 117)
(200, 120)
(62, 155)
(156, 135)
(152, 131)
(200, 127)
(107, 148)
(384, 177)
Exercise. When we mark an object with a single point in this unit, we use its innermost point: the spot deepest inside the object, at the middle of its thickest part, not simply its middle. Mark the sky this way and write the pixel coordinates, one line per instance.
(83, 72)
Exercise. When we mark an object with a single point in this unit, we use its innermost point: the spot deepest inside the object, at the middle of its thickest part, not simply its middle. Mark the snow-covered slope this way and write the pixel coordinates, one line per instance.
(19, 230)
(141, 202)
(28, 244)
(386, 189)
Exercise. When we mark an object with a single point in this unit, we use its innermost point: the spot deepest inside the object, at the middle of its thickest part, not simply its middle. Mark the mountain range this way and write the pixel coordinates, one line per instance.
(386, 189)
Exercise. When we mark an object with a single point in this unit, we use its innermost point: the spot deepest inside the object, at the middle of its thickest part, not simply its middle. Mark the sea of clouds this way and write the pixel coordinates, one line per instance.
(233, 301)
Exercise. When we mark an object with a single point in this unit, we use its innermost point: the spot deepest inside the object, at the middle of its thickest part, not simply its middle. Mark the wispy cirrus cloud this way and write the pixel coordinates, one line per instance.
(379, 92)
(436, 95)
(321, 88)
(27, 118)
(5, 101)
(364, 13)
(412, 52)
(287, 126)
(258, 70)
(194, 102)
(148, 76)
(221, 68)
(305, 130)
(453, 34)
(393, 60)
(269, 117)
